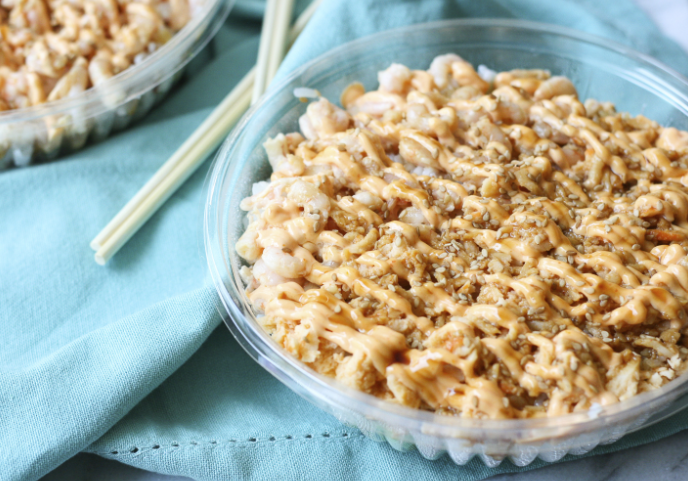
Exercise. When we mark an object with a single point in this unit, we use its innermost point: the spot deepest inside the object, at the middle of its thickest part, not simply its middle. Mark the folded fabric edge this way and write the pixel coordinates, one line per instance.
(226, 454)
(137, 378)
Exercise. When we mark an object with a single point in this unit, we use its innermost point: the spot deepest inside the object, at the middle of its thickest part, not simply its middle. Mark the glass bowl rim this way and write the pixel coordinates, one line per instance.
(390, 413)
(135, 79)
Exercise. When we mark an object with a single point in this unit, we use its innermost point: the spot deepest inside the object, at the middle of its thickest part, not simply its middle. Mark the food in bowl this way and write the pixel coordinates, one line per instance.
(477, 246)
(54, 49)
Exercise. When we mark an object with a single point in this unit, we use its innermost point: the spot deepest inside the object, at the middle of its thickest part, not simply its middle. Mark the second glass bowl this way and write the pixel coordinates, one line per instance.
(45, 131)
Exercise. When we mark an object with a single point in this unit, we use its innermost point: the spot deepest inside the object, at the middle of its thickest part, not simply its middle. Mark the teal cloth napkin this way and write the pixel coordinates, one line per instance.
(127, 361)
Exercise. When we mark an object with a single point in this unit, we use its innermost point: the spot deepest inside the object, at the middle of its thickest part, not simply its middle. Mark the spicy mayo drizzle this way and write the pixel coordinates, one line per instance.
(494, 251)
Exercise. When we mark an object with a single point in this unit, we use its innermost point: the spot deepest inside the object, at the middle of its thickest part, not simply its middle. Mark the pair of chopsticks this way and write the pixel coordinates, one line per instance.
(275, 39)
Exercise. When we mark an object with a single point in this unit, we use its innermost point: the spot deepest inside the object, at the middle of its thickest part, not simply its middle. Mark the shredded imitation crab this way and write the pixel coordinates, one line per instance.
(51, 49)
(485, 250)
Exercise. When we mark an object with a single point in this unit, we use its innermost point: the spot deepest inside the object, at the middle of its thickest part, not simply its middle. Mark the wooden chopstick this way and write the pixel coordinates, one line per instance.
(266, 36)
(219, 118)
(205, 139)
(280, 38)
(183, 162)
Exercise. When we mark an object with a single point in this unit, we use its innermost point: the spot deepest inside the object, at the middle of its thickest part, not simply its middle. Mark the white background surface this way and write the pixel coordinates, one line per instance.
(665, 460)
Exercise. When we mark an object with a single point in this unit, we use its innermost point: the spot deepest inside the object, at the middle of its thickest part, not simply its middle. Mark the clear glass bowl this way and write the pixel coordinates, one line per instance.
(599, 68)
(43, 132)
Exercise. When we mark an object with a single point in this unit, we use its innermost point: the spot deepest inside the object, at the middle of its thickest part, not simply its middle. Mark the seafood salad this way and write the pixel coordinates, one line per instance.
(476, 244)
(52, 49)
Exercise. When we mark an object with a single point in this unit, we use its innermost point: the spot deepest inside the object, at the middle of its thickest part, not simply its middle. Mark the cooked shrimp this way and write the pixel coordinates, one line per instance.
(284, 264)
(441, 69)
(309, 197)
(281, 159)
(395, 79)
(554, 87)
(323, 118)
(673, 139)
(266, 276)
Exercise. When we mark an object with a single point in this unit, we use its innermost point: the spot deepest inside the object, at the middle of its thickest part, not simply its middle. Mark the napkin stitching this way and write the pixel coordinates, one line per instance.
(233, 442)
